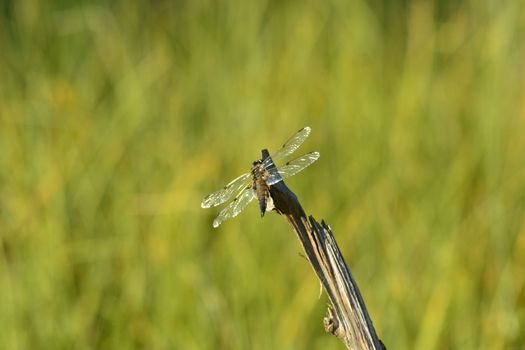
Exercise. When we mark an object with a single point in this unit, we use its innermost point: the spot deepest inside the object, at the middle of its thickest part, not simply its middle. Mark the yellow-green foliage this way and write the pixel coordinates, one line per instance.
(117, 118)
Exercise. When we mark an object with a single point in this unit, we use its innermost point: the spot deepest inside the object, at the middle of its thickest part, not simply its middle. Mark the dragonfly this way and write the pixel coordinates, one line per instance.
(256, 183)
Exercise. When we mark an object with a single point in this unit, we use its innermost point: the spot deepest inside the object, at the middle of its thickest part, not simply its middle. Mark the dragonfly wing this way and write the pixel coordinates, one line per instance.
(222, 195)
(235, 207)
(293, 167)
(292, 144)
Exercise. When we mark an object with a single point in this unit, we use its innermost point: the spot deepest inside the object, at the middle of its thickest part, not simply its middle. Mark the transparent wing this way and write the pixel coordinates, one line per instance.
(292, 144)
(235, 207)
(222, 195)
(293, 167)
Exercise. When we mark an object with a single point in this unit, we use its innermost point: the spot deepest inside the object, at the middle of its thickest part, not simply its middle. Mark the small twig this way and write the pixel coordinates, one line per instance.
(347, 317)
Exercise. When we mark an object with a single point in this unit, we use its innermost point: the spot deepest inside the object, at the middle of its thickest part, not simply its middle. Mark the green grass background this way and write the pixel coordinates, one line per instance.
(117, 118)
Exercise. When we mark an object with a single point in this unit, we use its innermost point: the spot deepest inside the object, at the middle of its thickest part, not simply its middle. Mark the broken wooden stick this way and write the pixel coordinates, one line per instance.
(347, 317)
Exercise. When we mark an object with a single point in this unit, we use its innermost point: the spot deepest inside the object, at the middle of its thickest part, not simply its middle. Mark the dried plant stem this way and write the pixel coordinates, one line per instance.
(347, 317)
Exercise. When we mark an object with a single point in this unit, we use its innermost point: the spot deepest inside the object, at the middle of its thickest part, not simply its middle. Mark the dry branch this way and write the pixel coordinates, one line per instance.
(347, 317)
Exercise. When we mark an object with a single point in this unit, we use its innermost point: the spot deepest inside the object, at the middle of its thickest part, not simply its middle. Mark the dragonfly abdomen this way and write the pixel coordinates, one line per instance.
(260, 176)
